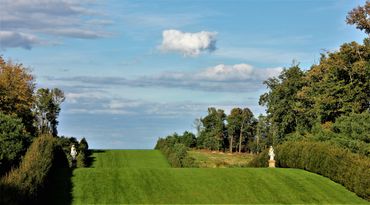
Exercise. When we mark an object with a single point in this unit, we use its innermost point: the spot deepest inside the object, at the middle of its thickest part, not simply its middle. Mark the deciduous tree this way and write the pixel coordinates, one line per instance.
(16, 92)
(360, 17)
(47, 108)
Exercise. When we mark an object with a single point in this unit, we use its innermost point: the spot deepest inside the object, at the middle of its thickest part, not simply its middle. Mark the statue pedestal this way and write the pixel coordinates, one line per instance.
(271, 163)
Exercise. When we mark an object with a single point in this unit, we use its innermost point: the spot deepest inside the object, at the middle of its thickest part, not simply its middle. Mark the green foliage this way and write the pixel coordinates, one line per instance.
(175, 150)
(338, 86)
(30, 179)
(81, 160)
(281, 100)
(349, 131)
(14, 141)
(188, 139)
(47, 108)
(83, 152)
(234, 121)
(66, 144)
(214, 131)
(355, 126)
(340, 165)
(263, 138)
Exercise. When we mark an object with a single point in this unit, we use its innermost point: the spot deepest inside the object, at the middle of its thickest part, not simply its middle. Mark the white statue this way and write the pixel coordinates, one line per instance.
(73, 152)
(271, 153)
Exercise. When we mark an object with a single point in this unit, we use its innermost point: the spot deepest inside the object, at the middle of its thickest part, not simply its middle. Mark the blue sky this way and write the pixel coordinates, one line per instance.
(133, 71)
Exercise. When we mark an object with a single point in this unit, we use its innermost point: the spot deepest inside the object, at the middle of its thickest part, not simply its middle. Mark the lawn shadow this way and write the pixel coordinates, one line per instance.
(58, 189)
(90, 158)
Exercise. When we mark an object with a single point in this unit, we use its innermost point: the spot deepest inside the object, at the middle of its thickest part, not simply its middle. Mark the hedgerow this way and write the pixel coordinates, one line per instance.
(340, 165)
(175, 152)
(25, 184)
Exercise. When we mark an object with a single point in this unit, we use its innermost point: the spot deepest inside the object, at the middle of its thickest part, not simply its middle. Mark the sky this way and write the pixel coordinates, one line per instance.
(133, 71)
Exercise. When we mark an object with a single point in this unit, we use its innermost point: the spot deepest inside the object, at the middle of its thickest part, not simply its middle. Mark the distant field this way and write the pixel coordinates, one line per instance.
(144, 177)
(209, 159)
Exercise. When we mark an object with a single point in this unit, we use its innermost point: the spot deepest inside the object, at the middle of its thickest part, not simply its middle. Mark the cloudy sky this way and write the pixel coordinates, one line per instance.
(133, 71)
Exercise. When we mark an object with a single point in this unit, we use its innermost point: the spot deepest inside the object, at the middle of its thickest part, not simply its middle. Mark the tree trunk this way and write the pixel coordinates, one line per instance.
(231, 144)
(240, 139)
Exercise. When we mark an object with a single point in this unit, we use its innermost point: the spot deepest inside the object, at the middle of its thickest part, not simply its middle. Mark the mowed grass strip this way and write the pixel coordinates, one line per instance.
(129, 159)
(211, 186)
(145, 178)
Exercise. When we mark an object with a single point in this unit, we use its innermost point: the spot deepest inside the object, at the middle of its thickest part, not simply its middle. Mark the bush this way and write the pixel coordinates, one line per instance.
(175, 152)
(14, 141)
(83, 153)
(24, 184)
(81, 160)
(82, 147)
(349, 132)
(340, 165)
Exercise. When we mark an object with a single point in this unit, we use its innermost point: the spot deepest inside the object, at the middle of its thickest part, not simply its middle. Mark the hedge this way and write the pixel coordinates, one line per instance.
(25, 184)
(83, 152)
(175, 152)
(340, 165)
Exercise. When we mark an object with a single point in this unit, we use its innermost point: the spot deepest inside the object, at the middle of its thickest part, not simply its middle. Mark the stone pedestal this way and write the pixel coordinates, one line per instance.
(271, 163)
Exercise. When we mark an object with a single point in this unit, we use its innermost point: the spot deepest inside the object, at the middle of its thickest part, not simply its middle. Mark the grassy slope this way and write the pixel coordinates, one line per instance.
(129, 159)
(209, 159)
(132, 176)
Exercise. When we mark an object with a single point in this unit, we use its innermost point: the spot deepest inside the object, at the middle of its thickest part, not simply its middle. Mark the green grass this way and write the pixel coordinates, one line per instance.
(144, 177)
(129, 159)
(209, 159)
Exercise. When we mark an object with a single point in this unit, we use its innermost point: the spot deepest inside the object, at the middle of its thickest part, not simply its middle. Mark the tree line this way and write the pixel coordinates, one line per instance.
(330, 102)
(26, 113)
(239, 132)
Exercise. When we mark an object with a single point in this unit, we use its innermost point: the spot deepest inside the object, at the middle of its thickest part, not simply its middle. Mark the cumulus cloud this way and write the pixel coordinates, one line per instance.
(220, 78)
(189, 44)
(25, 23)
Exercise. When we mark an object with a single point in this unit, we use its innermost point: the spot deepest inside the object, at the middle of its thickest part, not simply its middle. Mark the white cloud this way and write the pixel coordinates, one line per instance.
(220, 78)
(224, 73)
(33, 21)
(189, 44)
(124, 106)
(9, 39)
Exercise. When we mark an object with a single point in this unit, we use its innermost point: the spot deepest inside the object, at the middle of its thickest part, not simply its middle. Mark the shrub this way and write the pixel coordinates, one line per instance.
(14, 141)
(24, 184)
(340, 165)
(175, 152)
(83, 153)
(82, 147)
(81, 160)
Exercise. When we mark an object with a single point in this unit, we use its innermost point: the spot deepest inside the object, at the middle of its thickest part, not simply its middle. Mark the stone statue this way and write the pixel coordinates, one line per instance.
(271, 153)
(73, 152)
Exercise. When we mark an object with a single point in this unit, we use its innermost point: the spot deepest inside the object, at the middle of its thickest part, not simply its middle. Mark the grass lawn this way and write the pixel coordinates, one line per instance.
(209, 159)
(144, 177)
